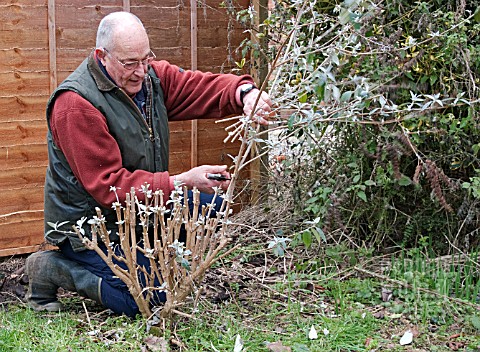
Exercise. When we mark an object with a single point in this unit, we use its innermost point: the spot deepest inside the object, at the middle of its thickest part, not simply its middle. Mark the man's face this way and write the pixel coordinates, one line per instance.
(129, 49)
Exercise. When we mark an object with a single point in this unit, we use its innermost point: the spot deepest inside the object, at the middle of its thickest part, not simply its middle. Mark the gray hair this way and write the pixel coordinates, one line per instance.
(109, 24)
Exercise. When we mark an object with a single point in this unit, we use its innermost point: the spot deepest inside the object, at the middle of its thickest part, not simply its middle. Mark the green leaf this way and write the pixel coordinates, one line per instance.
(362, 195)
(476, 16)
(346, 96)
(303, 98)
(291, 121)
(319, 235)
(335, 60)
(476, 148)
(476, 322)
(307, 238)
(370, 183)
(335, 92)
(312, 200)
(404, 181)
(320, 91)
(344, 16)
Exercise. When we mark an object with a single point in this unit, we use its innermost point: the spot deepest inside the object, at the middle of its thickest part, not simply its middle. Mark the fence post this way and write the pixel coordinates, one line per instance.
(258, 170)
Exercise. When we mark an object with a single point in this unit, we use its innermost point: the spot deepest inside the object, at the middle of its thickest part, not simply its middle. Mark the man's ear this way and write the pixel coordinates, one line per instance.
(100, 53)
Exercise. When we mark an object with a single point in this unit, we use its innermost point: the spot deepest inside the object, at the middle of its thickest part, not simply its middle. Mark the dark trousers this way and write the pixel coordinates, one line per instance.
(115, 293)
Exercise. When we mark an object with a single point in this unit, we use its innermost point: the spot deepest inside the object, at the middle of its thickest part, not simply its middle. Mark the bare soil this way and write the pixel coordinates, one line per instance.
(14, 283)
(13, 280)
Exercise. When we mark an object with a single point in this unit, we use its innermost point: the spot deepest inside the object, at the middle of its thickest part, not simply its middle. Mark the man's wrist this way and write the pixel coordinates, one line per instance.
(244, 90)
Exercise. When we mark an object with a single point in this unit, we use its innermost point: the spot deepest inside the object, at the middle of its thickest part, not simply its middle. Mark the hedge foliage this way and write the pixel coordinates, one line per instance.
(380, 134)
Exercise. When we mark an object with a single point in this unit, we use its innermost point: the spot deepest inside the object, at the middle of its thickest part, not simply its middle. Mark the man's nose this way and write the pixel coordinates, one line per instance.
(141, 69)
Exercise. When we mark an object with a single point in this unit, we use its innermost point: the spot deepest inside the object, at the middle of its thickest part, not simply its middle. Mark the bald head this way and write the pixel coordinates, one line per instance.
(122, 40)
(118, 27)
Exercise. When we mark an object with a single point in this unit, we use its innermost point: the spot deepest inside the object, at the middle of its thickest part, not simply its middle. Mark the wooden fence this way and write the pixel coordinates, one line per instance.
(43, 41)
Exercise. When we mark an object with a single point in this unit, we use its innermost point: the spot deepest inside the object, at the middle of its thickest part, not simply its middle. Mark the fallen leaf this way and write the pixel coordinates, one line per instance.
(455, 346)
(93, 332)
(278, 347)
(157, 344)
(407, 338)
(414, 330)
(379, 315)
(312, 335)
(238, 344)
(386, 294)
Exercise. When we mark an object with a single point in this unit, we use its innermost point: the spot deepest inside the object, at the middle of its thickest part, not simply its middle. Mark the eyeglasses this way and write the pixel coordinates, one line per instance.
(132, 65)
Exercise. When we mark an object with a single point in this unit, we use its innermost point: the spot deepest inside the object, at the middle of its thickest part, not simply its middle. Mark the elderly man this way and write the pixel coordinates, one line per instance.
(108, 126)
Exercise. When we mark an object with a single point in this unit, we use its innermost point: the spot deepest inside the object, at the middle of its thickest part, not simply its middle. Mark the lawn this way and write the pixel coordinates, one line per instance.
(321, 299)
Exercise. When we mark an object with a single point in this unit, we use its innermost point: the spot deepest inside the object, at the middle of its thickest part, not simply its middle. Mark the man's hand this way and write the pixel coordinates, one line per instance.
(197, 177)
(263, 110)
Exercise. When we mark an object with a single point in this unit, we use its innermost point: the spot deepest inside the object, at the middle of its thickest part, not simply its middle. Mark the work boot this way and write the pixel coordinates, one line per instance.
(49, 270)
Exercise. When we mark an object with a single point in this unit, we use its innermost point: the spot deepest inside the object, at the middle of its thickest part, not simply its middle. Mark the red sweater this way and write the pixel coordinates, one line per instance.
(81, 132)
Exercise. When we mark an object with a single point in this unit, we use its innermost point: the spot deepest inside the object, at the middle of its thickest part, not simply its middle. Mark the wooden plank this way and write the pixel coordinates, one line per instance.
(79, 4)
(27, 155)
(22, 107)
(22, 16)
(180, 142)
(152, 5)
(32, 177)
(213, 150)
(259, 72)
(22, 198)
(26, 232)
(24, 39)
(22, 216)
(25, 250)
(18, 83)
(173, 30)
(179, 162)
(23, 59)
(216, 62)
(69, 58)
(175, 55)
(23, 26)
(52, 45)
(193, 67)
(22, 132)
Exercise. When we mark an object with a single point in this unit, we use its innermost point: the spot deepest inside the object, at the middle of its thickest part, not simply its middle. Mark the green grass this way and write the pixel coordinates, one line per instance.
(342, 305)
(288, 324)
(22, 329)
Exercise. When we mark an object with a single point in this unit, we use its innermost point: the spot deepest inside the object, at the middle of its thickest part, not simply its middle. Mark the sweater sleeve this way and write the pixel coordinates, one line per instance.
(81, 133)
(194, 94)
